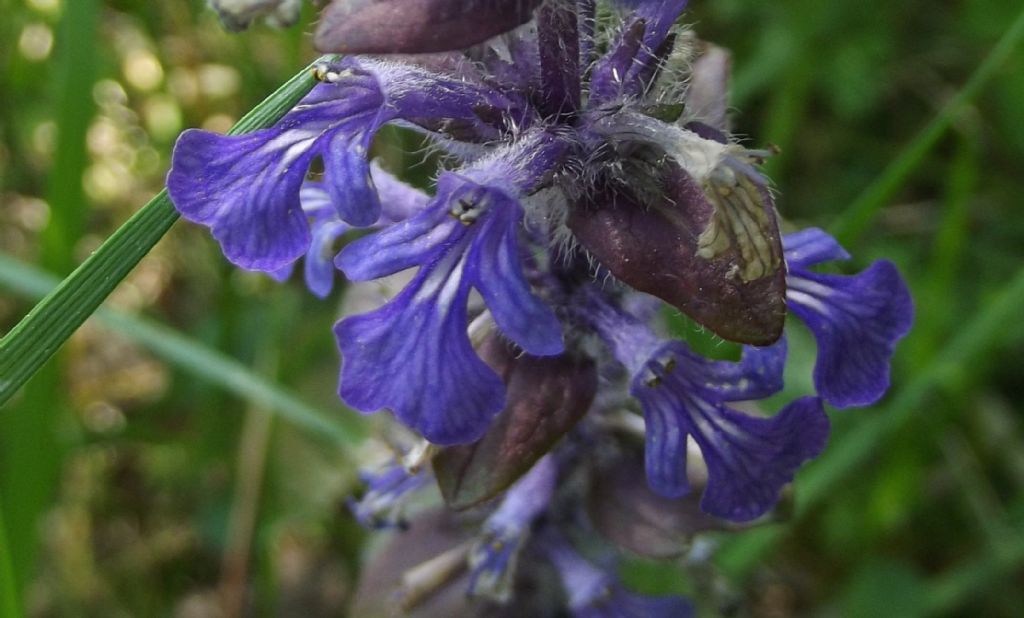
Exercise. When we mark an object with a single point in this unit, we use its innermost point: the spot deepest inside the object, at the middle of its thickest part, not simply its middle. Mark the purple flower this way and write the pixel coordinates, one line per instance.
(413, 355)
(387, 490)
(538, 159)
(856, 320)
(398, 202)
(492, 560)
(246, 188)
(684, 395)
(595, 593)
(578, 148)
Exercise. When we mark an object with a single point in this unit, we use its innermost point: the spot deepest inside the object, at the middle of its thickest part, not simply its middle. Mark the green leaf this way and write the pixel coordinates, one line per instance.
(42, 332)
(196, 359)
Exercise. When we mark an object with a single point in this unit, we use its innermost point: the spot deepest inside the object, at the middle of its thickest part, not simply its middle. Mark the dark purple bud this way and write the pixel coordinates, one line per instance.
(629, 514)
(546, 396)
(712, 251)
(416, 26)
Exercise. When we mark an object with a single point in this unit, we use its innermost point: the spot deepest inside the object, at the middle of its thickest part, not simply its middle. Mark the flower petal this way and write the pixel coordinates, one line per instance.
(492, 561)
(400, 246)
(811, 246)
(659, 15)
(413, 356)
(750, 459)
(857, 321)
(608, 79)
(496, 270)
(466, 237)
(399, 201)
(246, 189)
(595, 593)
(319, 267)
(757, 375)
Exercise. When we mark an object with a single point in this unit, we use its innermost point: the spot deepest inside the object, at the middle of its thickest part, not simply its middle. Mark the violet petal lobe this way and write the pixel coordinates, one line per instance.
(222, 182)
(494, 557)
(416, 26)
(811, 246)
(856, 321)
(412, 356)
(246, 188)
(608, 80)
(757, 375)
(596, 593)
(400, 246)
(495, 267)
(750, 459)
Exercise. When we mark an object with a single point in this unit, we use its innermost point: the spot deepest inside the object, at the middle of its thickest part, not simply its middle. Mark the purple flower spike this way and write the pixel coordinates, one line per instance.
(594, 593)
(856, 320)
(413, 355)
(683, 395)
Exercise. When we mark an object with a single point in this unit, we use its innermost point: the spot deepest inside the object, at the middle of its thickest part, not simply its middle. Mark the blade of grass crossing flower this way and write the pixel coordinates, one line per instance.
(856, 219)
(38, 336)
(196, 359)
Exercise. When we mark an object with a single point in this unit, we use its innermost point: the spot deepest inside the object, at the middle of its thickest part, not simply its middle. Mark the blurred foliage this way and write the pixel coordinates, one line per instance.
(128, 487)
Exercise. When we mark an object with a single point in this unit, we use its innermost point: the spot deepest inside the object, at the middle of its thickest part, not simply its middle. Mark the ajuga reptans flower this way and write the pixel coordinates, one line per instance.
(590, 180)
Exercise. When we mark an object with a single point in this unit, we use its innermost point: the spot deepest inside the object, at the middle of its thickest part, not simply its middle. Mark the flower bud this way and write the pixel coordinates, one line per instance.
(546, 397)
(416, 26)
(712, 251)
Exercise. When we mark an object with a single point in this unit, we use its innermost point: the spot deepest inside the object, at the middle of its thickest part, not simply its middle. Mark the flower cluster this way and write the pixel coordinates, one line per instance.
(593, 183)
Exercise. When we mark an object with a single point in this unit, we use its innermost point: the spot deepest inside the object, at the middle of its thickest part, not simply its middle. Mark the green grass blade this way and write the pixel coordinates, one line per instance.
(856, 219)
(77, 36)
(195, 358)
(41, 333)
(9, 599)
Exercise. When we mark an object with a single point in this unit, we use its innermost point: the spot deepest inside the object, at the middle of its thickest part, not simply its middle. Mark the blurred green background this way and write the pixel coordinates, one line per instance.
(135, 481)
